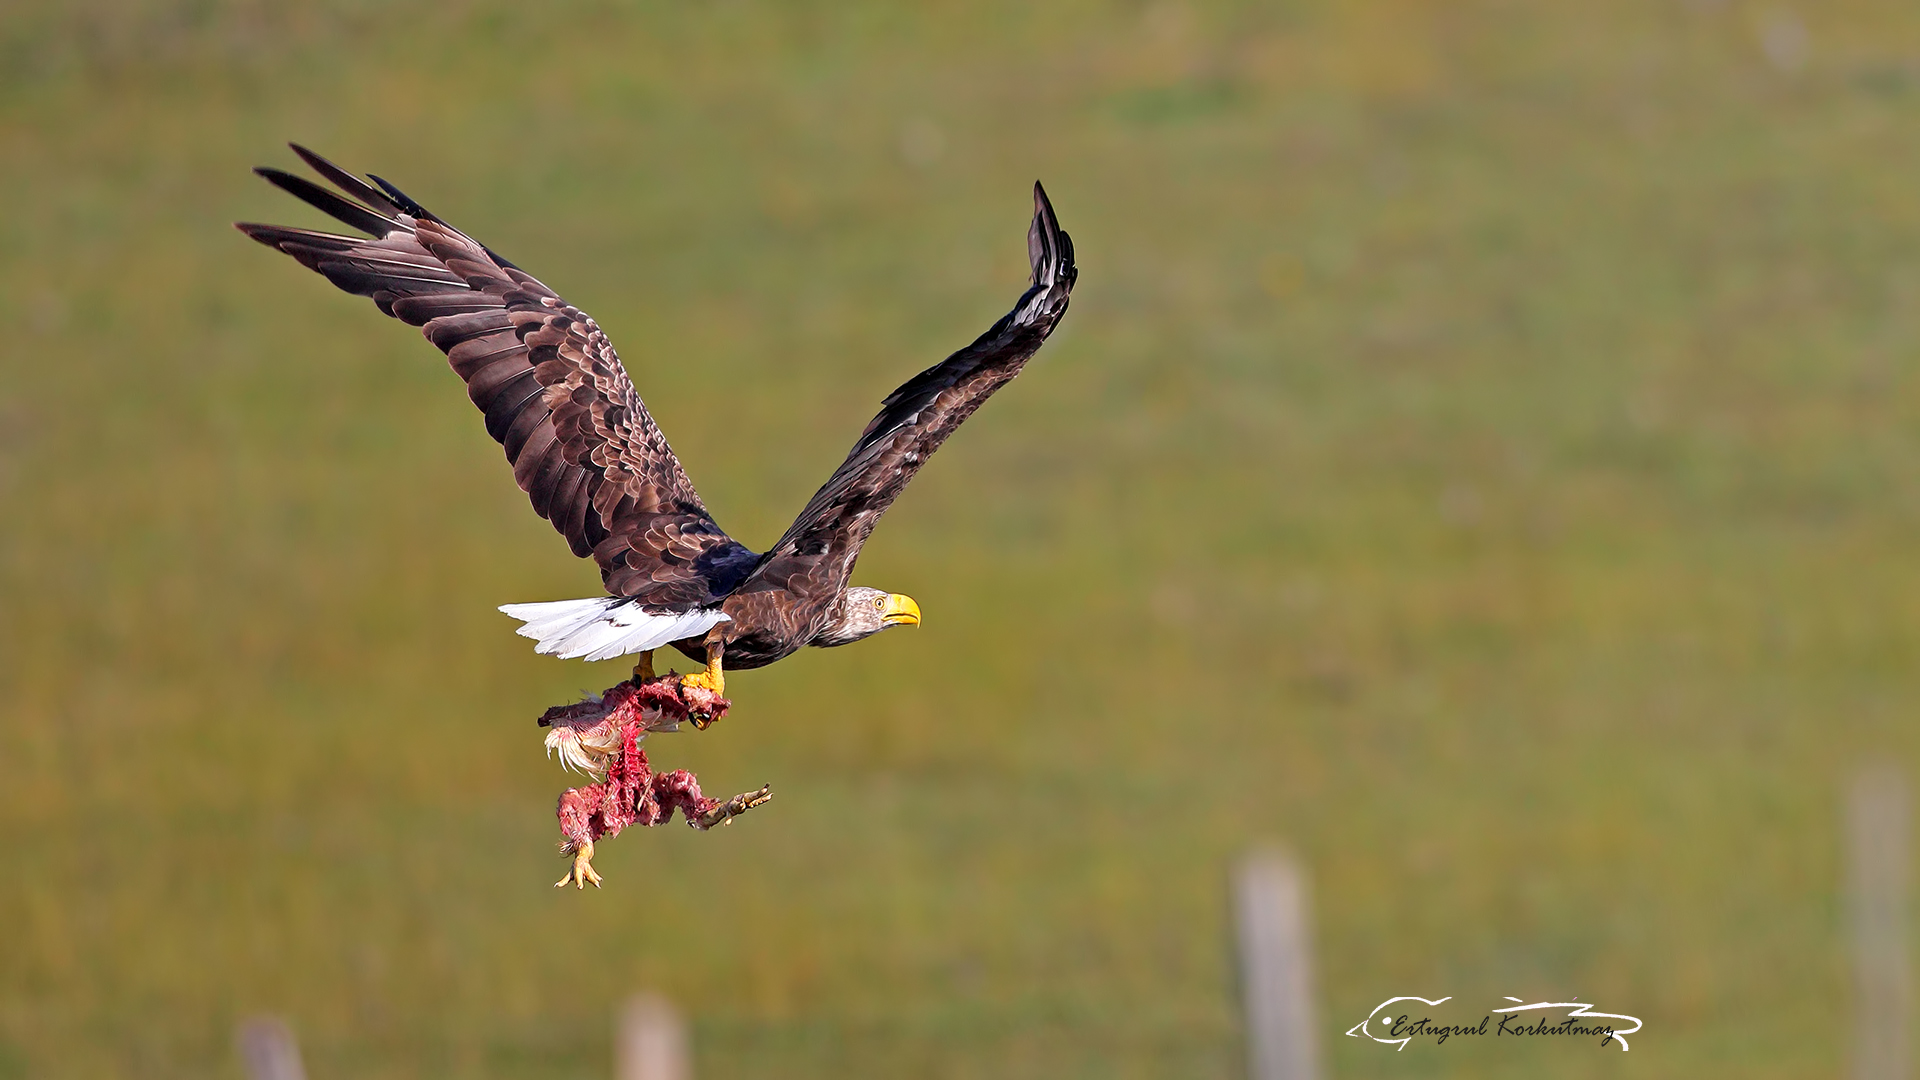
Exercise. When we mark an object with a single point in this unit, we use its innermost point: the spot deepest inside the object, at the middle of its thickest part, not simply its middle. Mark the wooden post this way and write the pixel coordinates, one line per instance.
(651, 1042)
(1271, 909)
(268, 1050)
(1878, 839)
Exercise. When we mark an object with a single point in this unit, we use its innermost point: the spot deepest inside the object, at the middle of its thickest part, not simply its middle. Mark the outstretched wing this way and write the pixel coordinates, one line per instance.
(555, 395)
(817, 553)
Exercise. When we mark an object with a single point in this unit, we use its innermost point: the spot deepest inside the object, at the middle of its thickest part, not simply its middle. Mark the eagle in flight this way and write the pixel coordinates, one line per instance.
(587, 453)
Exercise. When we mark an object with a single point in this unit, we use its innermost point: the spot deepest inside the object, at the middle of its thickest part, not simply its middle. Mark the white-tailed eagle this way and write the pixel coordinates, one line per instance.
(587, 453)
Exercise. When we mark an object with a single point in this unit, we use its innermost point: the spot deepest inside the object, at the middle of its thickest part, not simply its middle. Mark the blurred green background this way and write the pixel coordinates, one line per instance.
(1481, 456)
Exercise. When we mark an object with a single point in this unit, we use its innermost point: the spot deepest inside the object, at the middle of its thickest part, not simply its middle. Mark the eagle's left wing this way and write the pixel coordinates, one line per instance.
(817, 553)
(556, 397)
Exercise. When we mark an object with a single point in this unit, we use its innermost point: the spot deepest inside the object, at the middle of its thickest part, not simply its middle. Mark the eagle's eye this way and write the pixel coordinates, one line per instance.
(879, 603)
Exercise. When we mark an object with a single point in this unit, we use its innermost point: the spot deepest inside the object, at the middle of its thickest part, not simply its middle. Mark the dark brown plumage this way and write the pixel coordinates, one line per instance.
(589, 456)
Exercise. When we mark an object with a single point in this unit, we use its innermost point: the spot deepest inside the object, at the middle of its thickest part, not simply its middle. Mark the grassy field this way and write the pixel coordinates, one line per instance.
(1481, 457)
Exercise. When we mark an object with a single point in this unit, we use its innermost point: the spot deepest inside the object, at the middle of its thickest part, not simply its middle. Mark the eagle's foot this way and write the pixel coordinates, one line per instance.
(582, 871)
(733, 808)
(710, 681)
(643, 671)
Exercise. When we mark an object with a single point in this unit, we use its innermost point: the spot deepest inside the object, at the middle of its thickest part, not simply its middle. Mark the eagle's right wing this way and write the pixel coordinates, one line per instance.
(817, 554)
(555, 395)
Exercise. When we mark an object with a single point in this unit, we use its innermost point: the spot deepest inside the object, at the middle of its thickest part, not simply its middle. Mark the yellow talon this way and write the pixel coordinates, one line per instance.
(711, 680)
(582, 871)
(643, 670)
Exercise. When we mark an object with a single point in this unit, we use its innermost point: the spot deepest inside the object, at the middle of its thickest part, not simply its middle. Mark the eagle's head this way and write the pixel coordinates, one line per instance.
(862, 612)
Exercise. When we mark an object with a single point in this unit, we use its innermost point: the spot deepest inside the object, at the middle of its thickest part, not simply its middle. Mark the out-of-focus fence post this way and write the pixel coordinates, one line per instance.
(651, 1041)
(1270, 901)
(268, 1050)
(1878, 814)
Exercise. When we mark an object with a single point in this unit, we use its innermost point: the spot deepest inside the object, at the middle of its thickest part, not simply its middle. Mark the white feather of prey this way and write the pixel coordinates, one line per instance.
(603, 627)
(585, 751)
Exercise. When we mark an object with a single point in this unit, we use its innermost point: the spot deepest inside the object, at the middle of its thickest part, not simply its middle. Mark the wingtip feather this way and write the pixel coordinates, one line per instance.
(346, 181)
(1049, 247)
(403, 200)
(341, 209)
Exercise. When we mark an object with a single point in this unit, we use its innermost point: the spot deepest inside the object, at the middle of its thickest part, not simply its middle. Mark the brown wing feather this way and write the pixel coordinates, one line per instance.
(816, 556)
(555, 395)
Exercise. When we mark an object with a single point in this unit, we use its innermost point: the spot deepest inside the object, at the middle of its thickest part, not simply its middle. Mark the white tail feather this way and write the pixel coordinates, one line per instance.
(604, 627)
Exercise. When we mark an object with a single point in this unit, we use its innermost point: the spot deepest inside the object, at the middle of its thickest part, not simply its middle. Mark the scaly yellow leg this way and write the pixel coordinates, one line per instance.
(643, 670)
(582, 871)
(713, 678)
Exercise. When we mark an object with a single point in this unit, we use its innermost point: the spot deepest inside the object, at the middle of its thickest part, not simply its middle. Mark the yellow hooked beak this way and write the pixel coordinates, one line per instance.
(900, 611)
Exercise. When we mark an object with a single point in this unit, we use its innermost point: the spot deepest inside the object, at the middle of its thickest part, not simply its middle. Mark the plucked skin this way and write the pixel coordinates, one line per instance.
(601, 737)
(592, 460)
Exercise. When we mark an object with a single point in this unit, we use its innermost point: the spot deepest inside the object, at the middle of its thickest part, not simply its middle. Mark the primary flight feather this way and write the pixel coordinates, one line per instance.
(589, 456)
